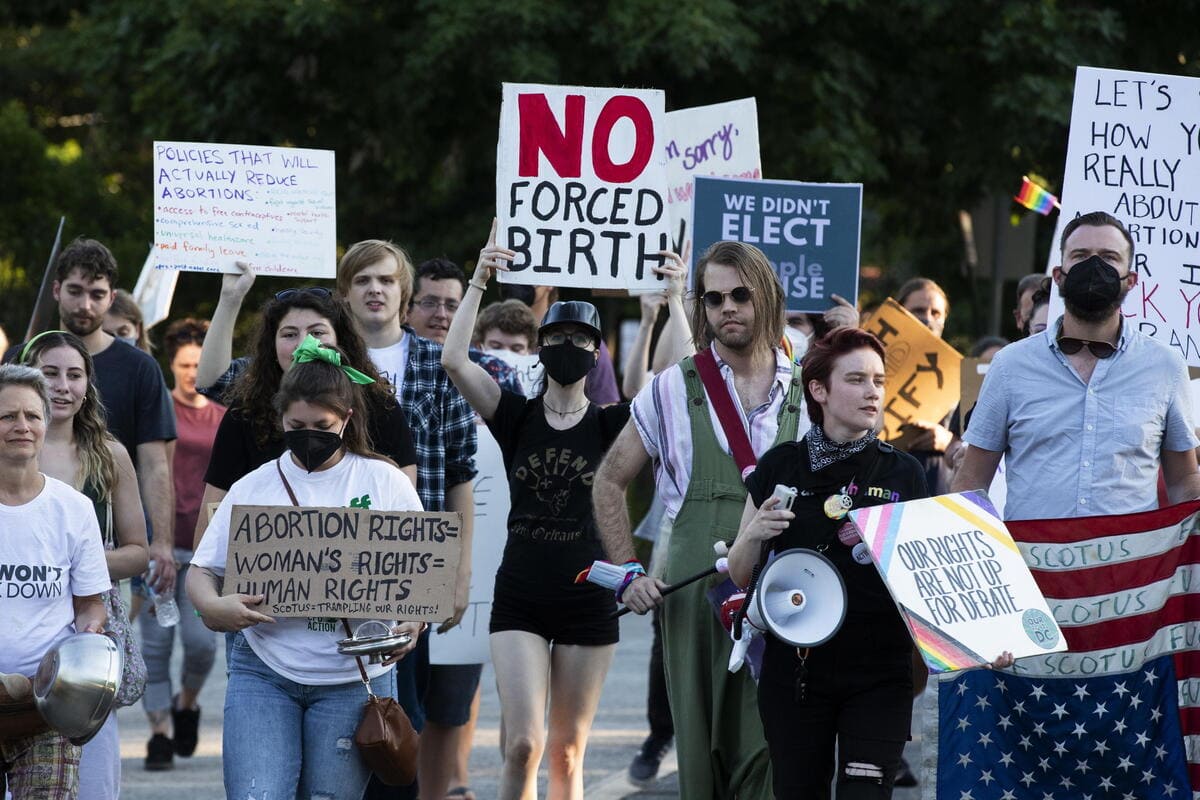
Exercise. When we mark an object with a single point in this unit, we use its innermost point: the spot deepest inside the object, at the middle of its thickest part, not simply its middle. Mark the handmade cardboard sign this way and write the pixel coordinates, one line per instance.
(580, 195)
(970, 382)
(271, 207)
(923, 372)
(467, 643)
(1133, 151)
(958, 579)
(345, 562)
(808, 231)
(719, 140)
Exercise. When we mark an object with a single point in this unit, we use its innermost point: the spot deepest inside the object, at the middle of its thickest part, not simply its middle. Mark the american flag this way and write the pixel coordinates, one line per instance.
(1117, 717)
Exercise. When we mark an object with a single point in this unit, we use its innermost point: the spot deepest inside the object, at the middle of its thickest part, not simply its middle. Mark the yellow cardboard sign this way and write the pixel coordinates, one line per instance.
(923, 372)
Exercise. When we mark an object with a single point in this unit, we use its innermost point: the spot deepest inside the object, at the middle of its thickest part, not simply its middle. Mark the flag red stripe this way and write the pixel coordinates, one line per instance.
(1135, 628)
(1082, 529)
(1091, 581)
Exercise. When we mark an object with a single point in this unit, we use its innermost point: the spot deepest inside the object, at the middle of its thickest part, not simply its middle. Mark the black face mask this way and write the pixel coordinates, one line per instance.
(1092, 288)
(566, 363)
(312, 448)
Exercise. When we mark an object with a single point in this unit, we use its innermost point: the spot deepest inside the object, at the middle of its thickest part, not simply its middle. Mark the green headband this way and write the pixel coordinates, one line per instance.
(312, 350)
(29, 344)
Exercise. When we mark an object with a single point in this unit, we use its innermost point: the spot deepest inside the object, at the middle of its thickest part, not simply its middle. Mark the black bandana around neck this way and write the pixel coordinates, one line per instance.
(823, 451)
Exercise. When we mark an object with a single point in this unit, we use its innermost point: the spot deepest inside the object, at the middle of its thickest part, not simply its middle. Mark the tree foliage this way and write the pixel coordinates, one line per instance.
(932, 104)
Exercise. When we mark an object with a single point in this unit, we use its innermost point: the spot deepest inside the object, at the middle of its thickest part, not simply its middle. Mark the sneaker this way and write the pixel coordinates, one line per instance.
(645, 764)
(904, 775)
(160, 753)
(187, 729)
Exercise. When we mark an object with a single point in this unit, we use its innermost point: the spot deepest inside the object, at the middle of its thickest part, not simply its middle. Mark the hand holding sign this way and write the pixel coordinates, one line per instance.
(843, 314)
(236, 285)
(235, 612)
(674, 271)
(491, 258)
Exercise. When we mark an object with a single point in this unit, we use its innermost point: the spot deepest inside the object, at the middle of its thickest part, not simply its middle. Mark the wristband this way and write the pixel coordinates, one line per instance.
(482, 288)
(633, 571)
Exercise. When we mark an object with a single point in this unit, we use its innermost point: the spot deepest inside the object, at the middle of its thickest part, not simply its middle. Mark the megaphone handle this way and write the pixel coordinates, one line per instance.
(740, 616)
(698, 576)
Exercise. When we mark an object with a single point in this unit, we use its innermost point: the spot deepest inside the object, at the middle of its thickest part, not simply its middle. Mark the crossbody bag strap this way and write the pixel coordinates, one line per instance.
(362, 671)
(727, 415)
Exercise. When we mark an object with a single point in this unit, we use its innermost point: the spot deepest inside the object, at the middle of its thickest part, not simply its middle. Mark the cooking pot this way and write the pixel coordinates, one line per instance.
(76, 683)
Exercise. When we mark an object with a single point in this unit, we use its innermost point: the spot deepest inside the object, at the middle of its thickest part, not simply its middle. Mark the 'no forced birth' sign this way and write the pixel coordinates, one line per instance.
(808, 231)
(580, 189)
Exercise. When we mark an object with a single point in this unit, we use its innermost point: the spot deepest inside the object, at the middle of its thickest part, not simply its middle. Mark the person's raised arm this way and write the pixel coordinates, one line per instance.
(217, 351)
(676, 341)
(131, 554)
(471, 379)
(634, 371)
(977, 470)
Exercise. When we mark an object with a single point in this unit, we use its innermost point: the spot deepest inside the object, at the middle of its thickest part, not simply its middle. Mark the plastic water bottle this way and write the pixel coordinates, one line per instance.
(166, 610)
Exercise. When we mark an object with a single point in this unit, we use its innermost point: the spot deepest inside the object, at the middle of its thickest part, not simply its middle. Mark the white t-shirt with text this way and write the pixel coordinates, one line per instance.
(392, 361)
(305, 650)
(50, 553)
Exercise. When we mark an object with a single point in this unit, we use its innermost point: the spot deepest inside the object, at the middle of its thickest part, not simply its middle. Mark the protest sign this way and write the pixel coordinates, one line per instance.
(923, 372)
(467, 643)
(970, 382)
(1133, 147)
(271, 207)
(959, 580)
(345, 562)
(719, 140)
(154, 291)
(808, 231)
(528, 366)
(580, 196)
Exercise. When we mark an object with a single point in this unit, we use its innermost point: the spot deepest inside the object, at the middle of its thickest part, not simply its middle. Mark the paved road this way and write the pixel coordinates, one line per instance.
(619, 729)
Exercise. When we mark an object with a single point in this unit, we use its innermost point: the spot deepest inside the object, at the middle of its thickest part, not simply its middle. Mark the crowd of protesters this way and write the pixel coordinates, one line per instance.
(375, 387)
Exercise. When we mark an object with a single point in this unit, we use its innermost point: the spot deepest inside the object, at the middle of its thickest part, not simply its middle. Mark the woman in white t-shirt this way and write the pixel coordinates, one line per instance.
(52, 571)
(293, 702)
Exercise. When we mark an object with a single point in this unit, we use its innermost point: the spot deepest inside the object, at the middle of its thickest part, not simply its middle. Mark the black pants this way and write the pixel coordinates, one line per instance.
(658, 703)
(863, 705)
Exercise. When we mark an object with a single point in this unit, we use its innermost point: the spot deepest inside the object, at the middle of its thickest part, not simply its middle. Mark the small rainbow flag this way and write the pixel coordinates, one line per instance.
(1035, 198)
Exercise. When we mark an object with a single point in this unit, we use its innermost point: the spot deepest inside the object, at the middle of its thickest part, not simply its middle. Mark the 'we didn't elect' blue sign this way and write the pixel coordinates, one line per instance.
(809, 232)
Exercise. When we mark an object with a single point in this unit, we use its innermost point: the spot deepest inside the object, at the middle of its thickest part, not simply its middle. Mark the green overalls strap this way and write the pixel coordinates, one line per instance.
(718, 733)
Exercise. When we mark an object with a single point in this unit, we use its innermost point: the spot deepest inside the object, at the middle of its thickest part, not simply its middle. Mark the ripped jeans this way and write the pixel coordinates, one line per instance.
(284, 739)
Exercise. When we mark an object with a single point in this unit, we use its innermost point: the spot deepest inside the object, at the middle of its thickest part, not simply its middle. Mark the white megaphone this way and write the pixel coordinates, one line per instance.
(800, 598)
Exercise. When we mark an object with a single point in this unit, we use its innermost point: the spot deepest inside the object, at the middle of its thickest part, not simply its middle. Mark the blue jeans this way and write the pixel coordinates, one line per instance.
(284, 739)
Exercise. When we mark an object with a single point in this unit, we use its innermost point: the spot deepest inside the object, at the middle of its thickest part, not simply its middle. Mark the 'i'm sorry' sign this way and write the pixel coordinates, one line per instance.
(580, 195)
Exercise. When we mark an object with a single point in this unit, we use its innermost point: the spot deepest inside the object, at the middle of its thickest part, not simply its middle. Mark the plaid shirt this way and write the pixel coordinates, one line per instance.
(441, 421)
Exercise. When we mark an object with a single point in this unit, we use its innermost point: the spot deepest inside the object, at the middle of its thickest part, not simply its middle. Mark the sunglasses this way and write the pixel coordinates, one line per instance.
(317, 291)
(1070, 345)
(580, 339)
(740, 295)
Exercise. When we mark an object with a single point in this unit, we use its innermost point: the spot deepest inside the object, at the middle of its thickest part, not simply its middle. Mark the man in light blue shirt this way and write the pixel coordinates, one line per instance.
(1086, 412)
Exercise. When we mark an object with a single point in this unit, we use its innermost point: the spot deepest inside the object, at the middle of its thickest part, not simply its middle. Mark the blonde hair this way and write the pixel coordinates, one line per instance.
(766, 293)
(365, 253)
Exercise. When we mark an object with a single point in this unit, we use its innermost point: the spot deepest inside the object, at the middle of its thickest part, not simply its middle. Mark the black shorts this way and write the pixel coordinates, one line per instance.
(582, 616)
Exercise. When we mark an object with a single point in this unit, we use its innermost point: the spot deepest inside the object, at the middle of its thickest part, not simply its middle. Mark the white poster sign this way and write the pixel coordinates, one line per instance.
(271, 207)
(580, 195)
(154, 291)
(468, 642)
(719, 140)
(959, 580)
(528, 366)
(1134, 151)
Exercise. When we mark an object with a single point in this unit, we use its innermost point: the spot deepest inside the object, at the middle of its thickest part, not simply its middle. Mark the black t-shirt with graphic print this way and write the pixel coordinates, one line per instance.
(552, 532)
(879, 474)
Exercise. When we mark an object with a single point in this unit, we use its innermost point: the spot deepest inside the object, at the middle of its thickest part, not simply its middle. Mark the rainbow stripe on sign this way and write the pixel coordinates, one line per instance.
(1035, 198)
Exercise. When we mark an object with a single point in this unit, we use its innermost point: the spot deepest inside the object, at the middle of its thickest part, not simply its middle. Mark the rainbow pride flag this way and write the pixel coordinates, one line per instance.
(1035, 198)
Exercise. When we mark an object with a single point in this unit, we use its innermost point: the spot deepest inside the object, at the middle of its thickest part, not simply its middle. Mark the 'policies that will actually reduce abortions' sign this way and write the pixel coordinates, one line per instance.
(580, 187)
(720, 140)
(1134, 151)
(345, 562)
(808, 231)
(923, 372)
(272, 207)
(959, 580)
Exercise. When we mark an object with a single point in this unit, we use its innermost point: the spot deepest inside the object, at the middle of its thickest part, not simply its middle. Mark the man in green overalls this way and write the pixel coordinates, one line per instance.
(675, 421)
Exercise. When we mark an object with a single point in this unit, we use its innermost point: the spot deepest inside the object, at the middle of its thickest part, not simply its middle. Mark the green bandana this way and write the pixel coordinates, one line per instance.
(312, 350)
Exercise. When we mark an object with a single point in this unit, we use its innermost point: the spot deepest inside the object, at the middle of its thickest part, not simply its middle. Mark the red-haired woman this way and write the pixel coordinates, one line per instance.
(855, 689)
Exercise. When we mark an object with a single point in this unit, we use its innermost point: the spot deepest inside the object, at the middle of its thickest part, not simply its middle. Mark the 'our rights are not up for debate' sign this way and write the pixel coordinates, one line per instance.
(1134, 151)
(345, 562)
(808, 231)
(272, 207)
(580, 193)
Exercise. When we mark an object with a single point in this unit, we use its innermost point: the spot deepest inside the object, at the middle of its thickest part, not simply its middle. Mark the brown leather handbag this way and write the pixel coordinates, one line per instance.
(385, 736)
